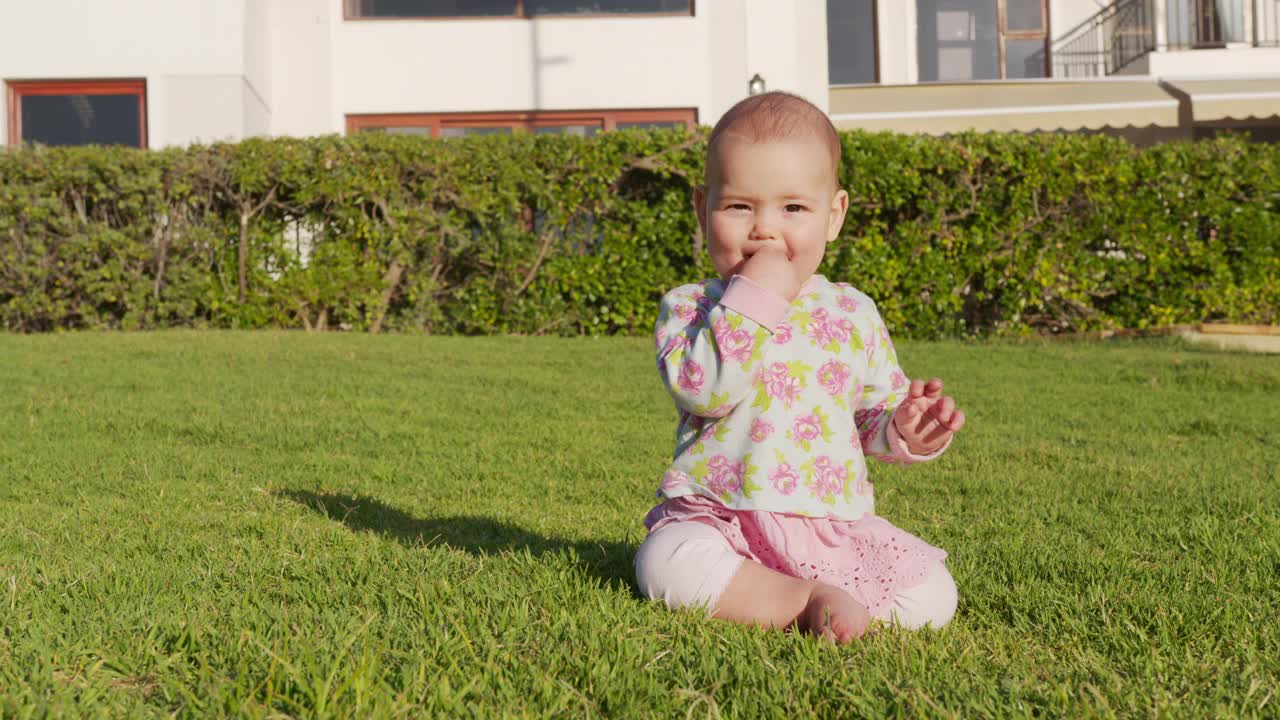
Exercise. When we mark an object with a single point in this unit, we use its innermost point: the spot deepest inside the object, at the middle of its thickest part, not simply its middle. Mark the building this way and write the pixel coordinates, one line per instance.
(157, 73)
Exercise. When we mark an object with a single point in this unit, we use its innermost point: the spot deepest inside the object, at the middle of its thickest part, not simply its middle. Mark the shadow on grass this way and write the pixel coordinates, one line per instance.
(609, 561)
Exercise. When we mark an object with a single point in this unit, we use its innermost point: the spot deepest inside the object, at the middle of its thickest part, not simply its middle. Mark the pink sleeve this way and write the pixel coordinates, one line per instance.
(743, 295)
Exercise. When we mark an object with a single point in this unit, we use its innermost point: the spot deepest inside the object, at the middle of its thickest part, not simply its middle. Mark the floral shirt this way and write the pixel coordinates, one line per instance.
(779, 401)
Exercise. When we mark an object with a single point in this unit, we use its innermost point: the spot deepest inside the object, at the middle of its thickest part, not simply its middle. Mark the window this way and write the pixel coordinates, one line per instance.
(584, 124)
(78, 113)
(961, 40)
(1214, 23)
(851, 42)
(362, 9)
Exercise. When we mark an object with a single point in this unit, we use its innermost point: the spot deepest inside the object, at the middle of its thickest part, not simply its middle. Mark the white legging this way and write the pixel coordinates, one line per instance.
(689, 564)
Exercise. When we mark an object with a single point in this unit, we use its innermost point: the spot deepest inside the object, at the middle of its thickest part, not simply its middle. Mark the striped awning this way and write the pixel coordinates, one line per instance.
(1023, 106)
(1239, 98)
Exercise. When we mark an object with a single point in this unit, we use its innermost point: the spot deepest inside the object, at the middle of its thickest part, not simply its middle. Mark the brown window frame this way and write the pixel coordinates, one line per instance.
(1002, 28)
(18, 89)
(349, 15)
(519, 121)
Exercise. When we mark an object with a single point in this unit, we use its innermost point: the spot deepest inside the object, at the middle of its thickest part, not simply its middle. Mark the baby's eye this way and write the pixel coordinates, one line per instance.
(793, 207)
(737, 206)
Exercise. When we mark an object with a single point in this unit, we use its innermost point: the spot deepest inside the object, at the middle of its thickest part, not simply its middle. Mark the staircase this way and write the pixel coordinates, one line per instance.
(1127, 30)
(1105, 43)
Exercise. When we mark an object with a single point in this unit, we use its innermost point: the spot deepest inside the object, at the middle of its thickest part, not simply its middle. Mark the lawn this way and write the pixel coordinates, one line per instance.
(338, 525)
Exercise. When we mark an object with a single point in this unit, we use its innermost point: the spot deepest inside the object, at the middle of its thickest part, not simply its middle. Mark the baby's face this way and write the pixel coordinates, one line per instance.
(778, 193)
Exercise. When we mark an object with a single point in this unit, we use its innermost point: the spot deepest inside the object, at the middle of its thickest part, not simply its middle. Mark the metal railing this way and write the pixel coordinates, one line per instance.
(1127, 29)
(1114, 37)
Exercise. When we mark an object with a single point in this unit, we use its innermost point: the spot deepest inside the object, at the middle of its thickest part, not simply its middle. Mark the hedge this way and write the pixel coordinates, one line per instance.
(966, 235)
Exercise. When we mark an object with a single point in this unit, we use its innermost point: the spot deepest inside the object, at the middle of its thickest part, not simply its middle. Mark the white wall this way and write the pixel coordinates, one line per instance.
(301, 41)
(1217, 62)
(703, 61)
(771, 29)
(257, 67)
(227, 69)
(729, 67)
(383, 66)
(184, 109)
(1066, 15)
(810, 42)
(896, 41)
(188, 51)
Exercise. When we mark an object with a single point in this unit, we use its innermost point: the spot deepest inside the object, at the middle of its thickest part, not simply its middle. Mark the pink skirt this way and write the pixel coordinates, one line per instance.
(868, 558)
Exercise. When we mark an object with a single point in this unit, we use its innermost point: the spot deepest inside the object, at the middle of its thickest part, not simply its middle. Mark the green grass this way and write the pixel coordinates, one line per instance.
(339, 525)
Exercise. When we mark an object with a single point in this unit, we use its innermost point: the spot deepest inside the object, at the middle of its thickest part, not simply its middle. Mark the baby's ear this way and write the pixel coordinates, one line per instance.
(839, 207)
(700, 206)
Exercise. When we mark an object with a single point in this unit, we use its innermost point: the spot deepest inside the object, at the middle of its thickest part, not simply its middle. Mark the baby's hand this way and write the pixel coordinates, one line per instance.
(770, 267)
(927, 418)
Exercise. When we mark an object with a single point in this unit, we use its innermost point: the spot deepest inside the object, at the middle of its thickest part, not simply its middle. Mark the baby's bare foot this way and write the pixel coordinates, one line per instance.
(833, 614)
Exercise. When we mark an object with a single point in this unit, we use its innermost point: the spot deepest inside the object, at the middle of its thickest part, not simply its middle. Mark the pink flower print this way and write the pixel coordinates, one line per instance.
(724, 475)
(782, 333)
(869, 346)
(898, 379)
(691, 377)
(887, 342)
(780, 385)
(861, 485)
(825, 329)
(784, 479)
(817, 325)
(847, 303)
(720, 329)
(660, 339)
(840, 330)
(739, 345)
(868, 422)
(833, 376)
(806, 428)
(673, 479)
(828, 477)
(685, 312)
(735, 345)
(761, 429)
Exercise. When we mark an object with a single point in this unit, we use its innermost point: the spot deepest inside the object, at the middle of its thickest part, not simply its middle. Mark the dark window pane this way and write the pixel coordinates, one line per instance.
(460, 131)
(434, 8)
(851, 42)
(1024, 58)
(575, 7)
(81, 120)
(408, 130)
(1024, 15)
(579, 130)
(957, 40)
(649, 125)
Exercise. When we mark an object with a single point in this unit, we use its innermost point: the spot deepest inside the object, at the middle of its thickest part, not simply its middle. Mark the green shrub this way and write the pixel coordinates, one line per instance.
(973, 234)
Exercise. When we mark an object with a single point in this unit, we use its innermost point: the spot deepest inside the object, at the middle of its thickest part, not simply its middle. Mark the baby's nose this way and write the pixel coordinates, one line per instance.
(763, 230)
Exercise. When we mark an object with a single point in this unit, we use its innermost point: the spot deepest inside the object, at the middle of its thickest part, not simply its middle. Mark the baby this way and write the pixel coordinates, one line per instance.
(783, 380)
